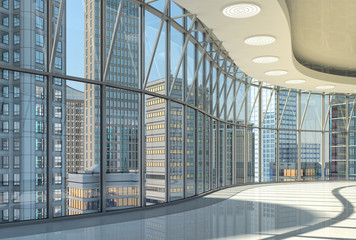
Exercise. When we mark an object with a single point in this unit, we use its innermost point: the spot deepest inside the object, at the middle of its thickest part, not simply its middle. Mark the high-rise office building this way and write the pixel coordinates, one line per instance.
(156, 149)
(23, 154)
(121, 106)
(121, 113)
(74, 130)
(155, 144)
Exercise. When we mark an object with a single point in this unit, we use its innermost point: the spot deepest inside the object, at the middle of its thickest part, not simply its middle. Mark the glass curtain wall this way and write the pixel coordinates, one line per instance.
(124, 104)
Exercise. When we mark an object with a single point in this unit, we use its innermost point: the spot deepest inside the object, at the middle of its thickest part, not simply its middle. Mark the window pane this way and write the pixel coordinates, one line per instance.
(82, 40)
(252, 135)
(155, 119)
(200, 153)
(268, 163)
(158, 69)
(312, 118)
(288, 150)
(122, 158)
(176, 154)
(214, 153)
(229, 154)
(190, 152)
(207, 154)
(76, 173)
(311, 156)
(289, 120)
(124, 51)
(222, 155)
(177, 42)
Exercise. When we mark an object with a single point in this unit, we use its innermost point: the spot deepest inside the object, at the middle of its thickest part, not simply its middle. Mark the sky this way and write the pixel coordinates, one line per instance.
(75, 41)
(75, 38)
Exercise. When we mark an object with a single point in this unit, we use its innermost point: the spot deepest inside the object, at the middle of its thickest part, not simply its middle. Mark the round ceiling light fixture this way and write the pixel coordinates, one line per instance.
(276, 73)
(241, 10)
(295, 81)
(325, 87)
(265, 59)
(260, 40)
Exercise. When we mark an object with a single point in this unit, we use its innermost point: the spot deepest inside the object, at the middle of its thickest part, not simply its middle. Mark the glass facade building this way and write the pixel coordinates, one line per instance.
(117, 104)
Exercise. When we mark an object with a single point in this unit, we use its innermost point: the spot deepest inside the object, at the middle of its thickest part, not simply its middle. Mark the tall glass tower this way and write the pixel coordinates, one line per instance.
(23, 153)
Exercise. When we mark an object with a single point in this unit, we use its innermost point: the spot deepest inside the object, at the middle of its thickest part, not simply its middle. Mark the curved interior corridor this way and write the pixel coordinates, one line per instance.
(311, 210)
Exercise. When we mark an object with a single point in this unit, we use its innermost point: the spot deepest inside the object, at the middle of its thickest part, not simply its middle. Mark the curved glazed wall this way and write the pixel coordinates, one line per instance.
(163, 115)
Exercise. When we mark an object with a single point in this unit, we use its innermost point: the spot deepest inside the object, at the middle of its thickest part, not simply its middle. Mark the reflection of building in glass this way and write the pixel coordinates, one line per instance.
(23, 137)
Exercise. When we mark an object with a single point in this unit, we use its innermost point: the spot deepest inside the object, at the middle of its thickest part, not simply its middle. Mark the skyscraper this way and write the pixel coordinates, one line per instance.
(121, 113)
(74, 130)
(23, 152)
(156, 149)
(121, 106)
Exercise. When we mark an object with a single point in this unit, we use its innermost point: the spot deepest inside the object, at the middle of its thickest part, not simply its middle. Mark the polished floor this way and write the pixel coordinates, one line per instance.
(313, 210)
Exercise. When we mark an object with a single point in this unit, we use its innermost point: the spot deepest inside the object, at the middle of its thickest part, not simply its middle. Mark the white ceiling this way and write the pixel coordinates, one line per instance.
(324, 32)
(317, 38)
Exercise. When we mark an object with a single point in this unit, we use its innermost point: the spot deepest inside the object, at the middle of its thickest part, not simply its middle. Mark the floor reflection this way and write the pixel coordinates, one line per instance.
(230, 218)
(258, 213)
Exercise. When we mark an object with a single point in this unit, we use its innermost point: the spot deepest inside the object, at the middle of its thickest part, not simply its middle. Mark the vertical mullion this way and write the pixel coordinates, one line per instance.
(218, 153)
(246, 138)
(168, 146)
(204, 152)
(347, 139)
(210, 154)
(142, 150)
(168, 103)
(195, 82)
(142, 146)
(49, 112)
(217, 131)
(225, 140)
(204, 117)
(260, 161)
(185, 145)
(185, 85)
(102, 106)
(225, 154)
(299, 136)
(233, 155)
(277, 135)
(234, 127)
(211, 131)
(322, 138)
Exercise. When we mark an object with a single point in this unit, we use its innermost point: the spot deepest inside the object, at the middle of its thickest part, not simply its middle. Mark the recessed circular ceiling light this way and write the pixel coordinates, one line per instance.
(325, 87)
(296, 81)
(241, 10)
(266, 59)
(260, 40)
(276, 73)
